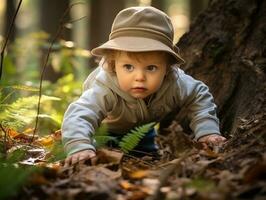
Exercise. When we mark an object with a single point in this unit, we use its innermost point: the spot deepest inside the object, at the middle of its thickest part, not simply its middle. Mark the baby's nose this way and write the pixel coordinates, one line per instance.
(140, 75)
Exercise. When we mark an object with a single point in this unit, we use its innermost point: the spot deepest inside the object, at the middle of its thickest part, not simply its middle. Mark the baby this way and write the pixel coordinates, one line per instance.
(138, 81)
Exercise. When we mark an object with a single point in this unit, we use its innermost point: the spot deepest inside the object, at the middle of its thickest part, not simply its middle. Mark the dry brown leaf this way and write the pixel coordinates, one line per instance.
(46, 140)
(209, 153)
(109, 156)
(139, 174)
(11, 132)
(99, 173)
(255, 172)
(126, 185)
(28, 131)
(138, 195)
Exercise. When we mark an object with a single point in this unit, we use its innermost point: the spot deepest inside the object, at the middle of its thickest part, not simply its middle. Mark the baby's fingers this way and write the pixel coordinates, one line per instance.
(218, 140)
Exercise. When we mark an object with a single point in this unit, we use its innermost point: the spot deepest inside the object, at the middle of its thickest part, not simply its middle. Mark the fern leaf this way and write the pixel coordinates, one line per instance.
(101, 136)
(101, 140)
(24, 87)
(22, 111)
(131, 140)
(102, 130)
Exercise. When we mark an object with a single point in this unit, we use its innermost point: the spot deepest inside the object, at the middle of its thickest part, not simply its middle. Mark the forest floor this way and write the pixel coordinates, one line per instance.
(236, 170)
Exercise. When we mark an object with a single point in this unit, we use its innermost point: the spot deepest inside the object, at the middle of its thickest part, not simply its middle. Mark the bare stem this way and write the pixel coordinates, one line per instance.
(59, 30)
(7, 38)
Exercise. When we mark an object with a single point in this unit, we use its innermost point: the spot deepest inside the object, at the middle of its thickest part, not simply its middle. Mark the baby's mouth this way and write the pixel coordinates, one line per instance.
(139, 89)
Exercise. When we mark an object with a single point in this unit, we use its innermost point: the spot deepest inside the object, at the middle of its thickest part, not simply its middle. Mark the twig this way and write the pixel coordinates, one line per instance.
(139, 159)
(59, 30)
(7, 38)
(76, 20)
(166, 173)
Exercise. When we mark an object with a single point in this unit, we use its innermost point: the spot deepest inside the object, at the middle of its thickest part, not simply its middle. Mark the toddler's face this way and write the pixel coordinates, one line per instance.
(140, 74)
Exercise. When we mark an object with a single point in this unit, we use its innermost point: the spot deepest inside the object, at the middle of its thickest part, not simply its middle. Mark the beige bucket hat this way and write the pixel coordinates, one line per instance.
(141, 29)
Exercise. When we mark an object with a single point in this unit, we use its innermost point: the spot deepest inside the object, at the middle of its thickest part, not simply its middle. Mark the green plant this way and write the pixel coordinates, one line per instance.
(57, 153)
(68, 89)
(101, 136)
(13, 176)
(20, 112)
(131, 140)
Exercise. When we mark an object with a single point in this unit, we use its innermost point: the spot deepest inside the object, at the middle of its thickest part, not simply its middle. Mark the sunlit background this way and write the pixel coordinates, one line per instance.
(86, 25)
(30, 14)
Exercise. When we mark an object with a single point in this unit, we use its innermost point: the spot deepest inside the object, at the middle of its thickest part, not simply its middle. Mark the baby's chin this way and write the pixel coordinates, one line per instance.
(139, 96)
(143, 97)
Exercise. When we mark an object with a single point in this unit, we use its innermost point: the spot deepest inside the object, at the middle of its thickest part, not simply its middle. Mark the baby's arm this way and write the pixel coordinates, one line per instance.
(201, 109)
(81, 120)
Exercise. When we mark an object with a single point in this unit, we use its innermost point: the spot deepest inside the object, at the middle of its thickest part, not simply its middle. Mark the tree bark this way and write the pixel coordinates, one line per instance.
(196, 7)
(226, 49)
(160, 4)
(103, 13)
(10, 12)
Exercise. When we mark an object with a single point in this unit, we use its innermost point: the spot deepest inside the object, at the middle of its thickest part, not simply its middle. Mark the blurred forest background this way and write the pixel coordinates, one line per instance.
(224, 47)
(86, 25)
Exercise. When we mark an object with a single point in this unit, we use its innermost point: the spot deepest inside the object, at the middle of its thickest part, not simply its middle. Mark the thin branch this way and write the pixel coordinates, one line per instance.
(59, 30)
(7, 38)
(76, 20)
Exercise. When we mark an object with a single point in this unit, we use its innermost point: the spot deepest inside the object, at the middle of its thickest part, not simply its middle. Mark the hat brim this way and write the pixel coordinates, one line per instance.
(135, 44)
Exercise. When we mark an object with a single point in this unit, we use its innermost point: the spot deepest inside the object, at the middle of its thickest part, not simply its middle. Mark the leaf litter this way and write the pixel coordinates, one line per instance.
(236, 170)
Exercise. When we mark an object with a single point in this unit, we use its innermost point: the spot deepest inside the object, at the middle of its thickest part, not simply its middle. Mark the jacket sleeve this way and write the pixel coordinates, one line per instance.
(195, 99)
(83, 117)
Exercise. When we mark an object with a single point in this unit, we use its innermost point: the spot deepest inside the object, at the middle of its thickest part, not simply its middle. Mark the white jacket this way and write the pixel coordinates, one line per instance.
(103, 102)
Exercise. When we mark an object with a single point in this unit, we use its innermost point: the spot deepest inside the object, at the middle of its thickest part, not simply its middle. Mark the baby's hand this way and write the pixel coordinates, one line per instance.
(79, 157)
(212, 140)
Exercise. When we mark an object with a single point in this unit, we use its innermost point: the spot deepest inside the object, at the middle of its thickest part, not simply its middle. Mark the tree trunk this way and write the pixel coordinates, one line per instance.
(226, 49)
(196, 7)
(9, 14)
(51, 13)
(160, 4)
(103, 13)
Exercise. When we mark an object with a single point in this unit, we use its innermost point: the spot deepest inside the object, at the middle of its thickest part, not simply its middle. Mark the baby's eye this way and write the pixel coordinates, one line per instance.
(152, 68)
(128, 67)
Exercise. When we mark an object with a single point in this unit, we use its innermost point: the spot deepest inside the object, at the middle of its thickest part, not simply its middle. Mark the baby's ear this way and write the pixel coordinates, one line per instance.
(168, 69)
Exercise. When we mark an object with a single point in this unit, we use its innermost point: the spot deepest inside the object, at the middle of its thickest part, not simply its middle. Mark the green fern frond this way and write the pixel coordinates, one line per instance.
(24, 88)
(102, 130)
(131, 140)
(101, 140)
(22, 111)
(13, 88)
(101, 136)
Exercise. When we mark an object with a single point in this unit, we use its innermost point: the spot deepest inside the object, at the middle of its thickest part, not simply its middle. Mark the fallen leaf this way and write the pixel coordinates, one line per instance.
(11, 132)
(126, 185)
(109, 156)
(139, 174)
(46, 141)
(255, 172)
